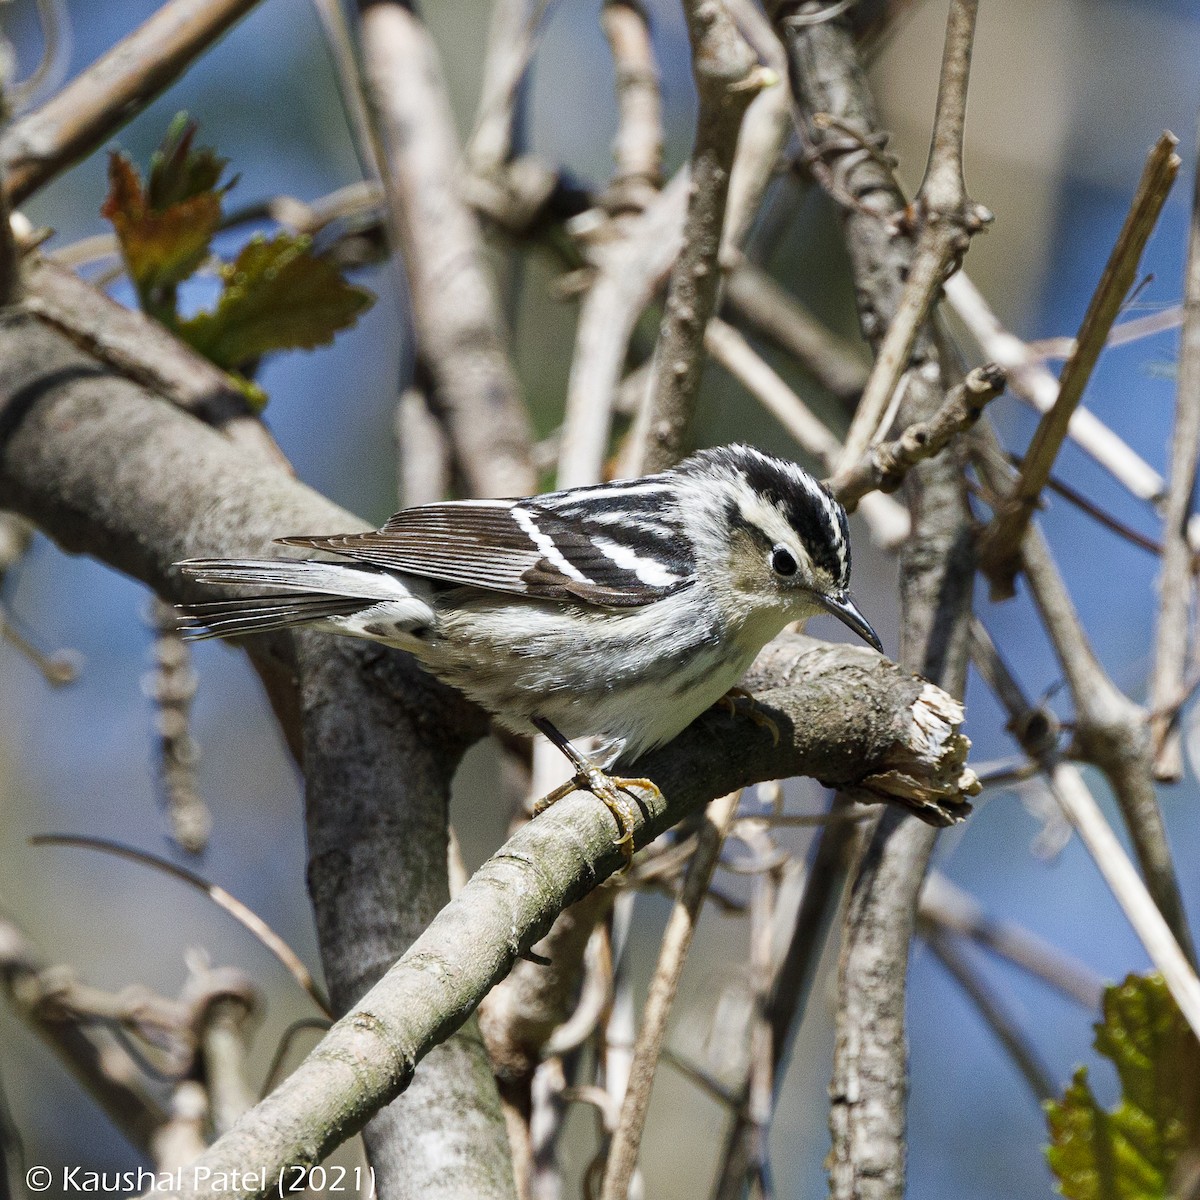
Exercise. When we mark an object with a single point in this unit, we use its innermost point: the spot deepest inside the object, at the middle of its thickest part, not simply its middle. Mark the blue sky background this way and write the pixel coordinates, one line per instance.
(1066, 100)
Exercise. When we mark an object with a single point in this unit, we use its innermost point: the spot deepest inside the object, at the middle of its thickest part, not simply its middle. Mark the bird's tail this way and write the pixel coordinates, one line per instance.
(307, 591)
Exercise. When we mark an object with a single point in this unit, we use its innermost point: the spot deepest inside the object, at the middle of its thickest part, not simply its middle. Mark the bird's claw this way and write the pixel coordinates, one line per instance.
(613, 792)
(751, 709)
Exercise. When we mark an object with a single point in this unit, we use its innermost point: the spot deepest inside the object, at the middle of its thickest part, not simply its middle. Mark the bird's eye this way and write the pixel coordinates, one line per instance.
(782, 562)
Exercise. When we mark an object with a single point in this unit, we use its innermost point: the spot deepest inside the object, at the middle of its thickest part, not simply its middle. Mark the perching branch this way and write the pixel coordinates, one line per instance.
(999, 548)
(847, 715)
(112, 91)
(1176, 583)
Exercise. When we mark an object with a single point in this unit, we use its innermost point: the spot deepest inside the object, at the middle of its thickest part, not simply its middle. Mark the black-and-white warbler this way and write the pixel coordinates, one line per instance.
(619, 612)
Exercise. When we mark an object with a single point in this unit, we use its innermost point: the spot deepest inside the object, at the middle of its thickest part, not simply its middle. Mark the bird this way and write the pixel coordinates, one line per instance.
(617, 612)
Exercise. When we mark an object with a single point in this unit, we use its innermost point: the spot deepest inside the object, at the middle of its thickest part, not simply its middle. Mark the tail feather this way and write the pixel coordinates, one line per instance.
(310, 590)
(261, 614)
(299, 575)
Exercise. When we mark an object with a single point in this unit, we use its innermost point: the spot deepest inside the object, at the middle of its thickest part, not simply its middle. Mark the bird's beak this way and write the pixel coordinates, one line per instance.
(847, 612)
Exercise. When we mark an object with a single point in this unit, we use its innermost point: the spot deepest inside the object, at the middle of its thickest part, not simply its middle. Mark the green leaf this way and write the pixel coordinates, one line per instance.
(277, 296)
(1135, 1151)
(165, 229)
(178, 173)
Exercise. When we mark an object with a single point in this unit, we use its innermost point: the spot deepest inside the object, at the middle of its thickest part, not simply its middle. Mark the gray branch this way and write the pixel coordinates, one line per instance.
(105, 467)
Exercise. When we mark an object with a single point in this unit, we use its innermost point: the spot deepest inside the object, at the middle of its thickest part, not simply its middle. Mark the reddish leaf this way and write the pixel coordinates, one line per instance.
(165, 229)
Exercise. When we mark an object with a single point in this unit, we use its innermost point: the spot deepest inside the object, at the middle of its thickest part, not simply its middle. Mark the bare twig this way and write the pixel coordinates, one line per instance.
(1075, 497)
(458, 325)
(52, 67)
(888, 521)
(113, 90)
(172, 688)
(677, 940)
(512, 36)
(638, 146)
(1123, 334)
(245, 916)
(339, 40)
(629, 271)
(1029, 379)
(1084, 814)
(995, 1014)
(952, 908)
(57, 668)
(948, 220)
(221, 1004)
(1176, 582)
(105, 1069)
(1110, 729)
(1000, 546)
(794, 977)
(631, 251)
(754, 298)
(727, 79)
(762, 142)
(423, 457)
(884, 465)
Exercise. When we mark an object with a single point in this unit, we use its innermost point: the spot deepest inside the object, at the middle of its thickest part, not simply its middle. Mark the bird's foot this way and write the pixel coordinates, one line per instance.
(750, 708)
(613, 792)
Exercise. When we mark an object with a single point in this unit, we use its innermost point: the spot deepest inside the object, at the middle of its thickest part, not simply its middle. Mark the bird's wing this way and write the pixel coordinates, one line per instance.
(520, 547)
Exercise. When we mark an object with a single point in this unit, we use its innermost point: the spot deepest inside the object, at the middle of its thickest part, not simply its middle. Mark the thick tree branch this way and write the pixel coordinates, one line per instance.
(107, 468)
(846, 715)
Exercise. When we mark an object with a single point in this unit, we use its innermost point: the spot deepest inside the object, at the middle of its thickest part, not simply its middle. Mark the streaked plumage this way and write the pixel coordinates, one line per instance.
(620, 611)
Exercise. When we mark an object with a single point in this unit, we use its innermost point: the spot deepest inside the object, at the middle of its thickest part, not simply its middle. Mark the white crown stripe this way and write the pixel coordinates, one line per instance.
(546, 545)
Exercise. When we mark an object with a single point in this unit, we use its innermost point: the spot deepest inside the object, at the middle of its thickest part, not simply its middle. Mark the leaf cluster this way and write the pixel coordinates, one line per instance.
(276, 294)
(1145, 1147)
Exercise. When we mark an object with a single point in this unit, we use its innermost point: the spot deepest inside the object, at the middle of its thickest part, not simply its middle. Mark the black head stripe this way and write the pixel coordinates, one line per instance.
(807, 505)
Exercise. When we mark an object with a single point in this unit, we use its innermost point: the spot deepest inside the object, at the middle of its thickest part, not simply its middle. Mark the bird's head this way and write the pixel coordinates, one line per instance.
(781, 539)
